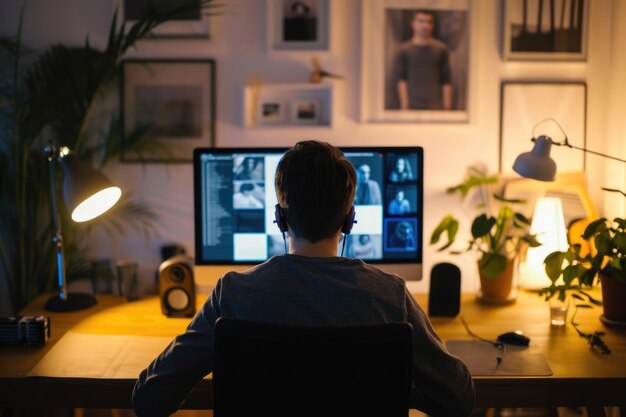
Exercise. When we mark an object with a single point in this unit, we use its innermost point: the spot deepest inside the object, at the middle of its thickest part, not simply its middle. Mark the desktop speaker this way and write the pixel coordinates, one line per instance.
(176, 287)
(444, 297)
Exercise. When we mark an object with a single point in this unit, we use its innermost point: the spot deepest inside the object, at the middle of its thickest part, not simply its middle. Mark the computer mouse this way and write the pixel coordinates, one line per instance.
(514, 338)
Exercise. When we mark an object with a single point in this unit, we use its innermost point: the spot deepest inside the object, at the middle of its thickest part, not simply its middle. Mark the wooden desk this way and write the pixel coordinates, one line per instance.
(580, 376)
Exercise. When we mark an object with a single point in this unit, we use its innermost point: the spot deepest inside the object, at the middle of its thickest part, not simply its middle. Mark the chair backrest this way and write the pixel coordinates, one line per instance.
(280, 370)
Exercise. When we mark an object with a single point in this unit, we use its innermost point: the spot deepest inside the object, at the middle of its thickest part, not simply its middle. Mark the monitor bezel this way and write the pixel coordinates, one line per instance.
(418, 150)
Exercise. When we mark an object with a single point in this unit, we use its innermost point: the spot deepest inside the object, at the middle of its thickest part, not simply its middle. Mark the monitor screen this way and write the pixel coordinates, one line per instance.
(234, 205)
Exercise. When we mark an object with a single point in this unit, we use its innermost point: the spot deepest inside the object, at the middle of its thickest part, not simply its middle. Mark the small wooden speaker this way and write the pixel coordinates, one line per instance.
(176, 287)
(444, 297)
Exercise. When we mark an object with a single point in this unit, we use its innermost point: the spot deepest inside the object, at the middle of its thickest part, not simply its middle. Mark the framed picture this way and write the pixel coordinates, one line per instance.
(271, 111)
(170, 103)
(541, 30)
(529, 109)
(305, 112)
(415, 60)
(194, 24)
(298, 24)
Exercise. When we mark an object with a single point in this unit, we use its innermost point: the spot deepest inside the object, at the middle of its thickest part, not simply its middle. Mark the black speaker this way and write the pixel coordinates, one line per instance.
(176, 287)
(444, 297)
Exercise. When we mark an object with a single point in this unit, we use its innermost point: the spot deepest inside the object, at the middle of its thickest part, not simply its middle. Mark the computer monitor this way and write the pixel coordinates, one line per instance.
(234, 201)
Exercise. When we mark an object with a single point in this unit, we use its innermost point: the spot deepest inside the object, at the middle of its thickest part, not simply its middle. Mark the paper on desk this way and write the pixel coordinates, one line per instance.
(481, 358)
(80, 355)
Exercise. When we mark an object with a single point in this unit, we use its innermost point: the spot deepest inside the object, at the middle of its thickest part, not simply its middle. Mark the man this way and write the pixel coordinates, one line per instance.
(399, 205)
(367, 191)
(311, 285)
(423, 68)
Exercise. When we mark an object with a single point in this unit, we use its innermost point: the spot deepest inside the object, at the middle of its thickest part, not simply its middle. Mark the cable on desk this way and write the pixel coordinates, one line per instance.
(497, 344)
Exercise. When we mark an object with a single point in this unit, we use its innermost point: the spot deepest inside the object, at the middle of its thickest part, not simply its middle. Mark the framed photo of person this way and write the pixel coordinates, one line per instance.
(415, 61)
(167, 108)
(271, 111)
(555, 109)
(305, 112)
(538, 30)
(193, 24)
(298, 24)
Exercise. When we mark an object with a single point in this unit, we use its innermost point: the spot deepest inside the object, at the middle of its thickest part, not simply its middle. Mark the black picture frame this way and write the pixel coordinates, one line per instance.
(196, 25)
(558, 31)
(170, 101)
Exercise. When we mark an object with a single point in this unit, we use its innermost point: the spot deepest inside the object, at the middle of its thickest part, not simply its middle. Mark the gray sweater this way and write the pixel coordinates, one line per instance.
(301, 290)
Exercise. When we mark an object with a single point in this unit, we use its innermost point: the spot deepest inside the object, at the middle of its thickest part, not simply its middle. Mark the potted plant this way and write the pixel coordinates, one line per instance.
(60, 95)
(604, 263)
(498, 235)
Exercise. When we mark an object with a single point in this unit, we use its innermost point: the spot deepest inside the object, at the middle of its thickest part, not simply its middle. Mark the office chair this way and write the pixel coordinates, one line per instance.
(282, 370)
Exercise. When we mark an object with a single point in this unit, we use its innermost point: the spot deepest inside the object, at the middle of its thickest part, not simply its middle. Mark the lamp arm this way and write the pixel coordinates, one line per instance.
(569, 145)
(53, 157)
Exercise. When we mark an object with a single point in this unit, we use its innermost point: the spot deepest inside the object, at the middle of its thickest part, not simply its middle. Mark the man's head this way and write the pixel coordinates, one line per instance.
(364, 172)
(315, 186)
(246, 188)
(423, 23)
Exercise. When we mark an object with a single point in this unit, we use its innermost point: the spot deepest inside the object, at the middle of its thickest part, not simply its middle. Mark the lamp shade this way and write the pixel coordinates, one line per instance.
(549, 225)
(88, 193)
(537, 163)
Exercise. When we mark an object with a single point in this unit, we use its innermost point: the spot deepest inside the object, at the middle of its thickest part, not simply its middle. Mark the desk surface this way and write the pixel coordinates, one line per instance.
(580, 376)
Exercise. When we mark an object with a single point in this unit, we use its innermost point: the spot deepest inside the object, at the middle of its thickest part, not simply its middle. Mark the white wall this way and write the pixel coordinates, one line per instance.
(238, 44)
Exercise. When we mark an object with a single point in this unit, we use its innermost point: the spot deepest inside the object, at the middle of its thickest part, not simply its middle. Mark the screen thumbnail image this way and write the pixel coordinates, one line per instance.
(369, 175)
(401, 200)
(365, 246)
(248, 168)
(402, 167)
(401, 234)
(248, 195)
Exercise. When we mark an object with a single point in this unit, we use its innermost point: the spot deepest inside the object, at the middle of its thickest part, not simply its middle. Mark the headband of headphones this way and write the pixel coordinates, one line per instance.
(281, 221)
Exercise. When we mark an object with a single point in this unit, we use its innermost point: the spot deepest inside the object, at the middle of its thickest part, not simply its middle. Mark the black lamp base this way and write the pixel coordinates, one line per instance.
(74, 302)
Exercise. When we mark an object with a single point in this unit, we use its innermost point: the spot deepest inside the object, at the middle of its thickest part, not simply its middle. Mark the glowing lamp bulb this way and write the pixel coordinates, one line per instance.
(97, 204)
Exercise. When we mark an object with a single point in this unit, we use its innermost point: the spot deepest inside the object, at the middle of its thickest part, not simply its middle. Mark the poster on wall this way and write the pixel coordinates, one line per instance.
(167, 108)
(545, 30)
(415, 60)
(554, 109)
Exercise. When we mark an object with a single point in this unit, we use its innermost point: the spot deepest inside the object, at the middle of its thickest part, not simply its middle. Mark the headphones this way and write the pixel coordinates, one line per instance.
(281, 222)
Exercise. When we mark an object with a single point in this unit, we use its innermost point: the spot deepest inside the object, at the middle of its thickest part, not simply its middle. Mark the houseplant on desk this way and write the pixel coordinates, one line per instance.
(606, 263)
(498, 235)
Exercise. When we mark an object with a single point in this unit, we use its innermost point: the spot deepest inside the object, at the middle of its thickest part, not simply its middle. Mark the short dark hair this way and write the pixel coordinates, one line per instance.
(246, 187)
(315, 186)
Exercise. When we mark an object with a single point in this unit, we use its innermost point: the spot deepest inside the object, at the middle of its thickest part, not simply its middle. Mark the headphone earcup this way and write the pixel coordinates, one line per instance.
(279, 218)
(346, 227)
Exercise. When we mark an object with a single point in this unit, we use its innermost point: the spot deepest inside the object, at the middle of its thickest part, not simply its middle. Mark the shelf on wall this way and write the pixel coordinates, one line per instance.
(288, 105)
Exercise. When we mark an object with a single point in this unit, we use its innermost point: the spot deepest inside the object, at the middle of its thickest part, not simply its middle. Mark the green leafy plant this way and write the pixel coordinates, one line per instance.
(60, 95)
(609, 257)
(497, 232)
(573, 271)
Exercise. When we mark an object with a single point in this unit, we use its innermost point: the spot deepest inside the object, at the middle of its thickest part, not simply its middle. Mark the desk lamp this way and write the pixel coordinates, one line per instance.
(537, 163)
(88, 194)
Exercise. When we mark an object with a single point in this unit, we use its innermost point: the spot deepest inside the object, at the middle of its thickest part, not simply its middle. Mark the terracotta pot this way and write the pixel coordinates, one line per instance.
(613, 300)
(498, 288)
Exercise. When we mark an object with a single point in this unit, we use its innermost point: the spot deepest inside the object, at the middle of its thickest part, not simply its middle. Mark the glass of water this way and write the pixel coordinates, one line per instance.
(558, 310)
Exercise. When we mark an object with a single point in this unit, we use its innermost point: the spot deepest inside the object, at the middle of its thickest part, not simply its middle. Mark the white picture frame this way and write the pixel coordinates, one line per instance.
(562, 37)
(294, 25)
(271, 111)
(197, 26)
(523, 104)
(386, 33)
(305, 112)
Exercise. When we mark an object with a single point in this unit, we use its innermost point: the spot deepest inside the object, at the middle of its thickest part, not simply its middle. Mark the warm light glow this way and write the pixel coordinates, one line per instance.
(549, 225)
(96, 204)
